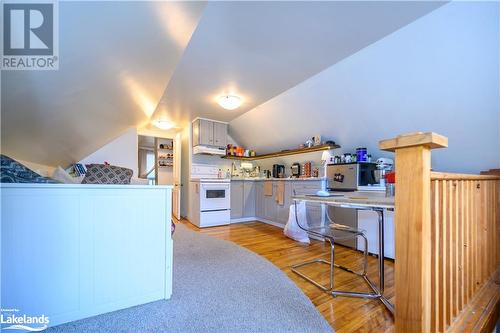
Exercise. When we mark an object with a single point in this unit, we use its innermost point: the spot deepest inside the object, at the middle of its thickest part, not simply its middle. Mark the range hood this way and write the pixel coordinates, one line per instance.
(199, 149)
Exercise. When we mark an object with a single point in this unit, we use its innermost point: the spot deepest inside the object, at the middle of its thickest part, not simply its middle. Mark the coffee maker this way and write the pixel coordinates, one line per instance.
(278, 171)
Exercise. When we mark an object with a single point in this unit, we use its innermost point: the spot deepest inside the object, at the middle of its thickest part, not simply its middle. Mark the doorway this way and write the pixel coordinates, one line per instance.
(159, 162)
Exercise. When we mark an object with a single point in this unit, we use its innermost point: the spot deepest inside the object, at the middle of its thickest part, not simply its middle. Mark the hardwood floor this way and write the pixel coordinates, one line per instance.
(344, 314)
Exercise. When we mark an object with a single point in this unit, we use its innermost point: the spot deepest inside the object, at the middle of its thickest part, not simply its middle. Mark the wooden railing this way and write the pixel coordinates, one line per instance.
(447, 238)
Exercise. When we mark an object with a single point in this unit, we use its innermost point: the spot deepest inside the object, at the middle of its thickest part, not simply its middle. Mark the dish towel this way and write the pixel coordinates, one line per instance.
(280, 196)
(268, 188)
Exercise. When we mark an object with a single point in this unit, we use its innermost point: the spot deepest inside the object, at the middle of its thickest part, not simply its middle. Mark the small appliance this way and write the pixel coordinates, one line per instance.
(384, 165)
(295, 170)
(350, 176)
(278, 171)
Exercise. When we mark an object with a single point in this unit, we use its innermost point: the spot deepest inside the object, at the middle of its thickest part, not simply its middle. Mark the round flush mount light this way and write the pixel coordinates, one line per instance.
(229, 102)
(163, 124)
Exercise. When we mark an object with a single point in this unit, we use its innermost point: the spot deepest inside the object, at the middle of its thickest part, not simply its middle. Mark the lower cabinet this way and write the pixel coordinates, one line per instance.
(314, 211)
(248, 198)
(237, 205)
(268, 208)
(270, 204)
(242, 199)
(282, 211)
(259, 199)
(368, 221)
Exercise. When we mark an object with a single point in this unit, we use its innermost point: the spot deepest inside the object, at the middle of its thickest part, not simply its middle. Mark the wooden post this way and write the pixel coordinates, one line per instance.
(413, 228)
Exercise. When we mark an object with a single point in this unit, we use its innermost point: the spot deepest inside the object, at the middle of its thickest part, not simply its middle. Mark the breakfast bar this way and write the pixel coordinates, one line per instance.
(360, 200)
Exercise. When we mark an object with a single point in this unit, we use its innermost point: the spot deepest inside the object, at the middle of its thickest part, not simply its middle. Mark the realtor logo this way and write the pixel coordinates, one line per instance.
(30, 35)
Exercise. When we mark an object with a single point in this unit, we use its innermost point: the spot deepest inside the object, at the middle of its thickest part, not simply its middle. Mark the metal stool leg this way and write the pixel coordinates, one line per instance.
(316, 261)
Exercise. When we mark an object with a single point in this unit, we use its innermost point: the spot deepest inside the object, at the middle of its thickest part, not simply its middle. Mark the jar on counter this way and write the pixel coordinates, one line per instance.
(306, 170)
(315, 173)
(361, 154)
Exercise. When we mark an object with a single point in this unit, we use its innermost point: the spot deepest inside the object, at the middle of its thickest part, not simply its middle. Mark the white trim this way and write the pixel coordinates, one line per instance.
(276, 224)
(244, 219)
(85, 186)
(216, 121)
(257, 219)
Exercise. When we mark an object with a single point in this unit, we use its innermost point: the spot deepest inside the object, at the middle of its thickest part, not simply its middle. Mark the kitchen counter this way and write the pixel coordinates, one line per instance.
(279, 179)
(357, 198)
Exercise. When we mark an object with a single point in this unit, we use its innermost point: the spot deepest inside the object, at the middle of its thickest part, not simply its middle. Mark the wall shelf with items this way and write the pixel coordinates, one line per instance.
(164, 160)
(284, 153)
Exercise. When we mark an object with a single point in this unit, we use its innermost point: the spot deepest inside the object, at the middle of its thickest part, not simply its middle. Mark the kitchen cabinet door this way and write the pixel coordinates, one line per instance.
(259, 199)
(368, 221)
(348, 217)
(220, 134)
(196, 132)
(314, 211)
(270, 205)
(236, 199)
(283, 210)
(249, 199)
(206, 135)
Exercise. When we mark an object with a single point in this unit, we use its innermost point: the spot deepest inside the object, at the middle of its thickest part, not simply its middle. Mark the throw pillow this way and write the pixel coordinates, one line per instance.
(107, 174)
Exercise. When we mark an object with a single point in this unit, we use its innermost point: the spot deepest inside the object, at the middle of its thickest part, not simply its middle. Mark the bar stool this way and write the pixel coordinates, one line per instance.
(331, 233)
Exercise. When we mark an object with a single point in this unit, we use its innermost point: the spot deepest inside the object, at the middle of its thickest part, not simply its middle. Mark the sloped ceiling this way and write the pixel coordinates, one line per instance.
(440, 73)
(258, 50)
(119, 59)
(116, 59)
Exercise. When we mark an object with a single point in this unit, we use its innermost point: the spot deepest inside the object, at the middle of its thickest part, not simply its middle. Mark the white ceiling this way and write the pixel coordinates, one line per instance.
(258, 50)
(116, 59)
(441, 74)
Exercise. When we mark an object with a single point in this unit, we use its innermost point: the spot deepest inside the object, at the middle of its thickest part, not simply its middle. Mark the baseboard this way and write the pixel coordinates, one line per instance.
(258, 219)
(244, 219)
(276, 224)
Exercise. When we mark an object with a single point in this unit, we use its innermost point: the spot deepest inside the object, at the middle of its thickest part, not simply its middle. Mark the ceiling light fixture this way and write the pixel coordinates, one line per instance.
(229, 102)
(163, 124)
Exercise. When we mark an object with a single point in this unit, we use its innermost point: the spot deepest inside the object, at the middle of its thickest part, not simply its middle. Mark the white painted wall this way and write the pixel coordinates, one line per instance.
(185, 170)
(41, 169)
(111, 75)
(122, 151)
(439, 73)
(165, 174)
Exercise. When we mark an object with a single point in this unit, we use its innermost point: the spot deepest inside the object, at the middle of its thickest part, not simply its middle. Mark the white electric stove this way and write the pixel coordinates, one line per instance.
(211, 197)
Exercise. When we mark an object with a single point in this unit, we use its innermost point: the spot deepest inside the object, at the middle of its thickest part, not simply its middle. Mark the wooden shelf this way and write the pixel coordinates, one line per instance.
(283, 153)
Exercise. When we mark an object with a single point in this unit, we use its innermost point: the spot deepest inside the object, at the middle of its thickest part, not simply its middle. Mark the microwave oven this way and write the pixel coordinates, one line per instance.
(349, 176)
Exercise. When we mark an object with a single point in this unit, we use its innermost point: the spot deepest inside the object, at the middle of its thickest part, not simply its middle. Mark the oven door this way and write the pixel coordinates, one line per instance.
(215, 197)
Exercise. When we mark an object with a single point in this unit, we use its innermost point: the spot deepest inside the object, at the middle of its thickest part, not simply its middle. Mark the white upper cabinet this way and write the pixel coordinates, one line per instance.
(208, 132)
(220, 134)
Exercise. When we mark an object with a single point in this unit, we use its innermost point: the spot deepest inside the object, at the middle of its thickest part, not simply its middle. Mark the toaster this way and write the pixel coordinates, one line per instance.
(295, 170)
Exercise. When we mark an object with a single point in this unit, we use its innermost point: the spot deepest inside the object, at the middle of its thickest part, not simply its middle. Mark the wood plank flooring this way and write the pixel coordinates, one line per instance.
(344, 314)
